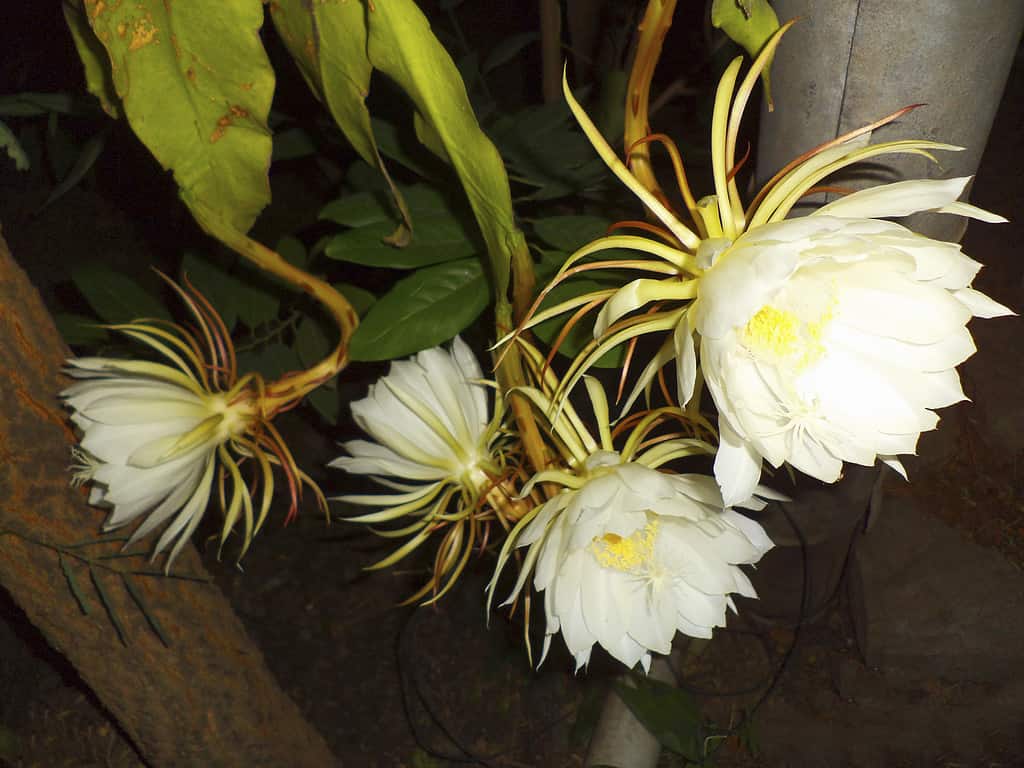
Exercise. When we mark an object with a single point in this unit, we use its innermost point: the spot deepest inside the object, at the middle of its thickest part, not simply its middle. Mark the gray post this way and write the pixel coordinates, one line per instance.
(847, 63)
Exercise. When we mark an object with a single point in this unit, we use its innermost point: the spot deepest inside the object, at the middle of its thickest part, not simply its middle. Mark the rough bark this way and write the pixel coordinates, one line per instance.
(206, 700)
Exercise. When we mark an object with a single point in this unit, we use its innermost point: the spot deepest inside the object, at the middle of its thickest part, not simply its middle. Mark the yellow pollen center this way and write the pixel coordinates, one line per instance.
(626, 554)
(780, 335)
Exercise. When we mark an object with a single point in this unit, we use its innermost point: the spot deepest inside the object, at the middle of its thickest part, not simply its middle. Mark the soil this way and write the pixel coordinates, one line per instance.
(423, 688)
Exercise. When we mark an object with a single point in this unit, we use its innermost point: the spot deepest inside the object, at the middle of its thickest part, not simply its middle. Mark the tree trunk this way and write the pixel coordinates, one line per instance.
(206, 698)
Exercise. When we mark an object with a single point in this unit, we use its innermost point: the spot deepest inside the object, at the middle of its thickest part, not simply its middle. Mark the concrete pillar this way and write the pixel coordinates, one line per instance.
(847, 63)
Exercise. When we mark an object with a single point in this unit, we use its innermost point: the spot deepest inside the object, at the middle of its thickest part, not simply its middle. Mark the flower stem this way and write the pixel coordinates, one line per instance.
(291, 387)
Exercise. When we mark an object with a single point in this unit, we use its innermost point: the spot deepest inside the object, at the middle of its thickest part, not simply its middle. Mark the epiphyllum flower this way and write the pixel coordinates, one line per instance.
(429, 419)
(626, 555)
(822, 339)
(158, 438)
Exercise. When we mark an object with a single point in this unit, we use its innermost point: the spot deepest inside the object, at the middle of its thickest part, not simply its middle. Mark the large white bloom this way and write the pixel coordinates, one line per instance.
(429, 418)
(831, 338)
(150, 435)
(633, 555)
(433, 443)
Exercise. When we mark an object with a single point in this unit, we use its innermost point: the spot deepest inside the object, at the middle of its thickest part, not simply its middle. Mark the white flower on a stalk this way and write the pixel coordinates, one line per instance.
(634, 555)
(627, 555)
(433, 441)
(149, 443)
(831, 338)
(822, 340)
(157, 438)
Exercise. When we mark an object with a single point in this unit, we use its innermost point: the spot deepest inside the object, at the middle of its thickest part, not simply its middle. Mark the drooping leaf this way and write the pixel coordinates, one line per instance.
(749, 24)
(422, 310)
(327, 39)
(669, 713)
(402, 46)
(151, 618)
(196, 85)
(115, 297)
(94, 59)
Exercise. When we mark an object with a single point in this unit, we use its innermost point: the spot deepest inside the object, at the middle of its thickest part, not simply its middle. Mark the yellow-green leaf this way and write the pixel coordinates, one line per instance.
(196, 85)
(749, 24)
(402, 46)
(94, 59)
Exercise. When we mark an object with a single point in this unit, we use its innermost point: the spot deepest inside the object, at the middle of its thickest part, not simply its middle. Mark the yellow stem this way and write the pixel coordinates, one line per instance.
(650, 35)
(291, 387)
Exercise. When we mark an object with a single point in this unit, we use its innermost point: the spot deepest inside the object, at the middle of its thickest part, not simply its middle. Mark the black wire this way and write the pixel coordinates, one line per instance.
(748, 715)
(406, 650)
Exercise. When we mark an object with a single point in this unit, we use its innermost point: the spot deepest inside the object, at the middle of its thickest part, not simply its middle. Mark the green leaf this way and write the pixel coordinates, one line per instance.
(328, 41)
(569, 233)
(402, 46)
(421, 311)
(271, 360)
(507, 49)
(84, 162)
(195, 85)
(436, 239)
(98, 78)
(669, 713)
(327, 402)
(583, 332)
(360, 298)
(9, 142)
(115, 297)
(293, 251)
(79, 330)
(151, 618)
(356, 210)
(216, 283)
(291, 144)
(312, 342)
(749, 24)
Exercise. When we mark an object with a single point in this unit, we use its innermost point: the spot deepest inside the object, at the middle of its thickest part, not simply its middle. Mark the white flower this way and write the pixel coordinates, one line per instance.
(150, 435)
(832, 337)
(157, 438)
(428, 416)
(429, 419)
(632, 555)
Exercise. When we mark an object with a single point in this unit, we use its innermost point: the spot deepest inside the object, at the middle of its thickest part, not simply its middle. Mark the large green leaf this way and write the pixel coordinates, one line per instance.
(669, 713)
(422, 310)
(402, 46)
(327, 39)
(94, 59)
(436, 239)
(196, 85)
(115, 297)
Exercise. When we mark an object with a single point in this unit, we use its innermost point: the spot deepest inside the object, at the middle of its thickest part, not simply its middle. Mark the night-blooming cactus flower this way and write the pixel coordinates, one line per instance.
(157, 438)
(627, 555)
(433, 443)
(824, 339)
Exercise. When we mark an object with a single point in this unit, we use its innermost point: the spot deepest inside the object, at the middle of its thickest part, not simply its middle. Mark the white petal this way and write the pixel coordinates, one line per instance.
(737, 466)
(900, 198)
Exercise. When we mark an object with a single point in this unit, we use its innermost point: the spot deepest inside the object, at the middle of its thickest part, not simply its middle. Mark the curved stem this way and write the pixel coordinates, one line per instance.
(291, 387)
